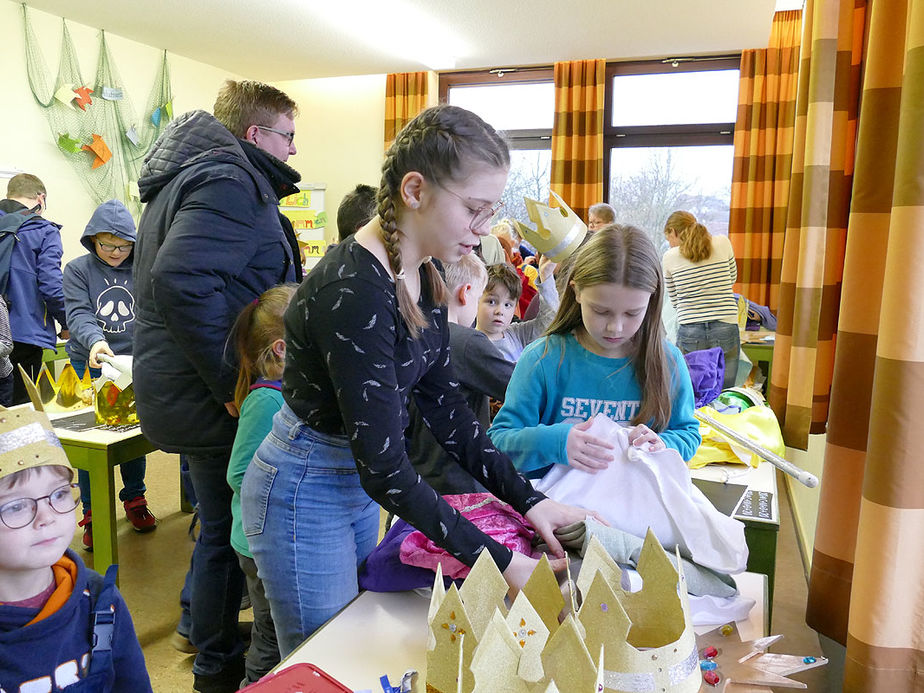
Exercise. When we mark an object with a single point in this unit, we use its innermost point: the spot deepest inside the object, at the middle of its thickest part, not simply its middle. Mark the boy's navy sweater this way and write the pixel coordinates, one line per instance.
(99, 298)
(55, 647)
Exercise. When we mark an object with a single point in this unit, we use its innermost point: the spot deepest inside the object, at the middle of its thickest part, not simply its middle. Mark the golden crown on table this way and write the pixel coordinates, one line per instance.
(113, 406)
(616, 641)
(559, 231)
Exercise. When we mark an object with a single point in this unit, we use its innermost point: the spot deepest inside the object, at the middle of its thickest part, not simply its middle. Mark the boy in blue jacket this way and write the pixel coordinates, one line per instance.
(62, 626)
(100, 305)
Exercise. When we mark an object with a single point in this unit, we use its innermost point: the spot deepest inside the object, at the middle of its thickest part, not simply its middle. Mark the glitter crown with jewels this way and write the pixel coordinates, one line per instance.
(616, 641)
(559, 231)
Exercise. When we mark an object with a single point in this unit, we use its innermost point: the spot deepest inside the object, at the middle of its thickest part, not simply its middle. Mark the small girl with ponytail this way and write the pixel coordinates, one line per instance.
(257, 336)
(366, 332)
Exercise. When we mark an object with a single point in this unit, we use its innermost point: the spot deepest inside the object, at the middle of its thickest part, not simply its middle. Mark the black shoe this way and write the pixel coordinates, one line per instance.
(228, 680)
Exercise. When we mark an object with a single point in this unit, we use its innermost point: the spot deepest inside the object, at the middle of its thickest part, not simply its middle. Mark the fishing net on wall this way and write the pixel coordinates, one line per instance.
(94, 124)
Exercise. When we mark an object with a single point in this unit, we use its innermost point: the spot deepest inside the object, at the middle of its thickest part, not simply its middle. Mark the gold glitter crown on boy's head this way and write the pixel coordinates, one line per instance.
(559, 231)
(27, 440)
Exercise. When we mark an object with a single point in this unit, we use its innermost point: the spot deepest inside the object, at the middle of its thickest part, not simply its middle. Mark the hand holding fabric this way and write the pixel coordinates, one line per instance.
(588, 452)
(643, 437)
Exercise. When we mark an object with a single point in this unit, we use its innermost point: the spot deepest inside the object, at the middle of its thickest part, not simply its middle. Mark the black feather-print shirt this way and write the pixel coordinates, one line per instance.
(351, 367)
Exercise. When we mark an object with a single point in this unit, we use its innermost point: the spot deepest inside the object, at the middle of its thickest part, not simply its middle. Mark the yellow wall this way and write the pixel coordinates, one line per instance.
(805, 500)
(27, 143)
(340, 133)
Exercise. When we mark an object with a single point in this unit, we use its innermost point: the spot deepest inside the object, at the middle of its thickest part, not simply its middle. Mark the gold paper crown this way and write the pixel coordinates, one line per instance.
(559, 231)
(66, 393)
(597, 647)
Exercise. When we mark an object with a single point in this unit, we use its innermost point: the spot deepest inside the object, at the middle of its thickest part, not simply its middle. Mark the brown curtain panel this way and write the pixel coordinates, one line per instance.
(577, 134)
(816, 227)
(763, 159)
(405, 97)
(866, 588)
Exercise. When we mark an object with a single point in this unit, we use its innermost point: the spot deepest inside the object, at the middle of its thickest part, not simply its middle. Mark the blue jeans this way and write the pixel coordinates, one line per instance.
(132, 471)
(309, 525)
(215, 580)
(713, 333)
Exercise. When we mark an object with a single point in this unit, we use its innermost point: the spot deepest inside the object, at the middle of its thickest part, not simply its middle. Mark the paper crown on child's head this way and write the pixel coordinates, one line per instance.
(559, 231)
(596, 648)
(27, 440)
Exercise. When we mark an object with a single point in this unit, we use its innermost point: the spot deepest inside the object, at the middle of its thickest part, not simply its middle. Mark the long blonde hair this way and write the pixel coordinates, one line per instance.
(438, 144)
(258, 325)
(695, 241)
(619, 254)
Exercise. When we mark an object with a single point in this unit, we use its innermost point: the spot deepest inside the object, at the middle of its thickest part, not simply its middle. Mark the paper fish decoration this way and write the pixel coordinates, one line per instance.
(112, 93)
(155, 117)
(68, 143)
(132, 135)
(168, 109)
(131, 188)
(100, 149)
(66, 95)
(83, 97)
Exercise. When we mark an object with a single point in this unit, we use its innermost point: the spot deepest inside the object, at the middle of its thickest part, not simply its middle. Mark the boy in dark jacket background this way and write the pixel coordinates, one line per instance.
(100, 304)
(61, 624)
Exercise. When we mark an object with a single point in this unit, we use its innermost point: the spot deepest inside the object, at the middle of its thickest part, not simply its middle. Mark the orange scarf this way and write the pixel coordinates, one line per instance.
(65, 572)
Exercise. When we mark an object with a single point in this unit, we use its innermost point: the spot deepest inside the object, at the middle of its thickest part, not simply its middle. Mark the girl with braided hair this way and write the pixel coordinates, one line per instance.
(365, 332)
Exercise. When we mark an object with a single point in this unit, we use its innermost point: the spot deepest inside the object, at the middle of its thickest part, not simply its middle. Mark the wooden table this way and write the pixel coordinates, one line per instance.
(98, 452)
(386, 633)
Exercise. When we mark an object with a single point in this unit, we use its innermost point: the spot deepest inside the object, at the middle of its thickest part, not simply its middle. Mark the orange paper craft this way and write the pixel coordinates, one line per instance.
(99, 148)
(83, 97)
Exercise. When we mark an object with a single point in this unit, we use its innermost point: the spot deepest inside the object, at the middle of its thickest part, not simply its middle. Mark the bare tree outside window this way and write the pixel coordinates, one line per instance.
(648, 183)
(530, 176)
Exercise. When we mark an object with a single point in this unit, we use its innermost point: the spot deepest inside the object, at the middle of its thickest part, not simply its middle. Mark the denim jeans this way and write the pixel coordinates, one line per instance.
(215, 580)
(132, 471)
(713, 333)
(309, 525)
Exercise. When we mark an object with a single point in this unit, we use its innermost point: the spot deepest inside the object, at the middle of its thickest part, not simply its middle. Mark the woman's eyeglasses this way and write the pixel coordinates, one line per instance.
(20, 512)
(481, 214)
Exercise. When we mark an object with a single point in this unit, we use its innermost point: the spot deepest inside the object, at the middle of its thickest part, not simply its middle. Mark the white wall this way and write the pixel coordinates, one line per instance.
(804, 499)
(27, 142)
(340, 134)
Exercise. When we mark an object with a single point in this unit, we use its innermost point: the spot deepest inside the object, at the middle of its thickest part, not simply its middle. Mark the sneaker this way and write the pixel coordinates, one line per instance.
(138, 513)
(182, 643)
(87, 524)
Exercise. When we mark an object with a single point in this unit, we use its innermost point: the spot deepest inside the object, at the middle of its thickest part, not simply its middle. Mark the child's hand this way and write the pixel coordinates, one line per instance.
(643, 437)
(546, 268)
(587, 452)
(521, 568)
(548, 515)
(98, 348)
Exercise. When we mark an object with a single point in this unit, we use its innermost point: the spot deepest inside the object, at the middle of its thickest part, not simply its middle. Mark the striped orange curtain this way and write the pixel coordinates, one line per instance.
(406, 95)
(763, 159)
(866, 588)
(577, 134)
(819, 199)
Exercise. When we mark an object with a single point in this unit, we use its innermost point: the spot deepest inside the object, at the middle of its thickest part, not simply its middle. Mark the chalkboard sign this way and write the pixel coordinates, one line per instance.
(756, 504)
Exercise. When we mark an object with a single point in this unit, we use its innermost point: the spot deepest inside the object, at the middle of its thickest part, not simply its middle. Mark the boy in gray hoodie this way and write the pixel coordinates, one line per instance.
(98, 298)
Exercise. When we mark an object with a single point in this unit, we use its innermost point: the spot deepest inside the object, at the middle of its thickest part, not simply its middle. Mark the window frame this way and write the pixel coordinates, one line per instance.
(676, 135)
(537, 138)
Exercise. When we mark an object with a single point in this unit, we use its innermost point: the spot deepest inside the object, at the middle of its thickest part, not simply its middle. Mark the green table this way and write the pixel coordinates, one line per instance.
(97, 452)
(760, 351)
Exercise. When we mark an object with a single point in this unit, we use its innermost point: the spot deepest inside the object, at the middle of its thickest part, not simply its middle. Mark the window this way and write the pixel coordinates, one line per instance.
(668, 139)
(667, 136)
(521, 104)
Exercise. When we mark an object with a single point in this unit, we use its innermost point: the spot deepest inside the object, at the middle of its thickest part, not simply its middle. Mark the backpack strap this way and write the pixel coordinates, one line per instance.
(102, 605)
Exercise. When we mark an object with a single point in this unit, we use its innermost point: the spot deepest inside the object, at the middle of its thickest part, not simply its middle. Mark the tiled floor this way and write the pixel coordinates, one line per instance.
(153, 566)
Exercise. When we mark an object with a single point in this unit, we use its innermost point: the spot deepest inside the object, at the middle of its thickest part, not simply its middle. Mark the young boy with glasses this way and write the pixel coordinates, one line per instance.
(99, 300)
(61, 624)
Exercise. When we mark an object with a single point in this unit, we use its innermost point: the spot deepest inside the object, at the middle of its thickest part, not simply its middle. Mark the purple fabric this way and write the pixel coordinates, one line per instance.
(383, 570)
(707, 370)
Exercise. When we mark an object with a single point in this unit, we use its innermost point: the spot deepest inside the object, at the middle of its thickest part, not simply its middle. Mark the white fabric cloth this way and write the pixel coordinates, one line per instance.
(705, 610)
(643, 489)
